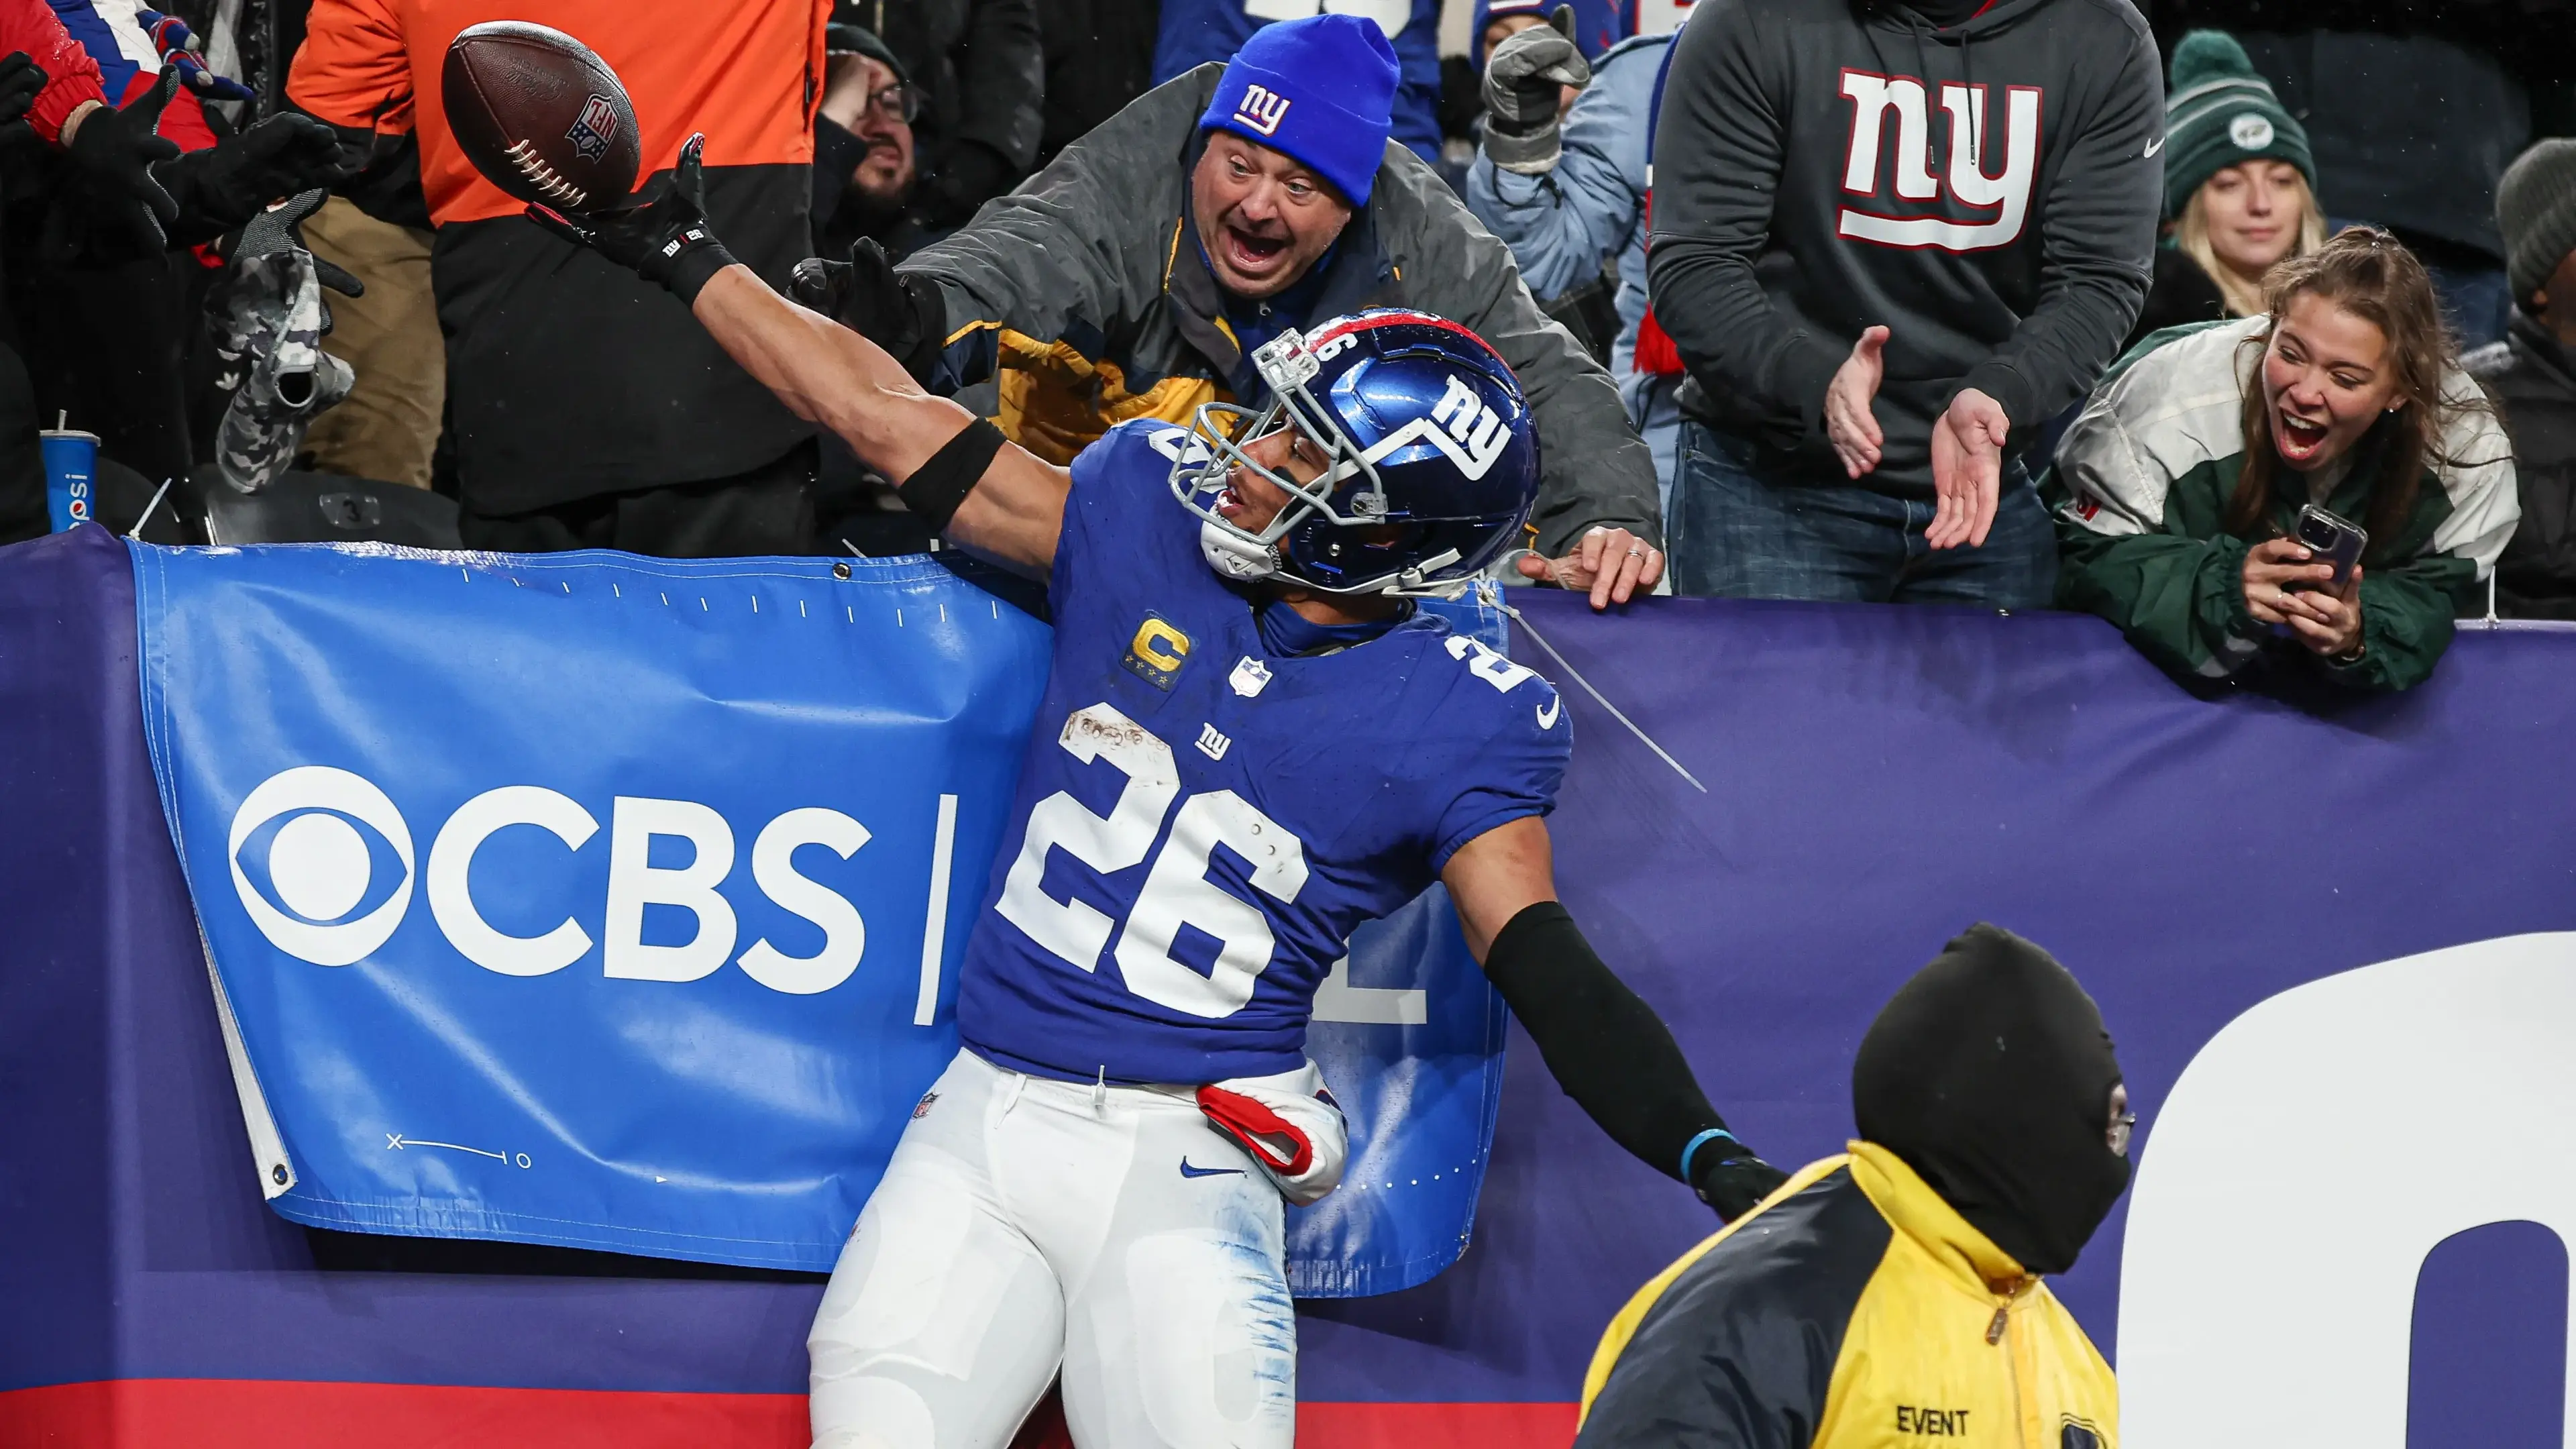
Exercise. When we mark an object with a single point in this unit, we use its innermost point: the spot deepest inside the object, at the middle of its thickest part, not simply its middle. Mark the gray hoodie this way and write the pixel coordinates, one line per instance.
(1810, 181)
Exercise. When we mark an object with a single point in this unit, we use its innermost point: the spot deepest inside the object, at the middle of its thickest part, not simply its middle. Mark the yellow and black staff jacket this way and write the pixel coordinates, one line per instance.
(1853, 1310)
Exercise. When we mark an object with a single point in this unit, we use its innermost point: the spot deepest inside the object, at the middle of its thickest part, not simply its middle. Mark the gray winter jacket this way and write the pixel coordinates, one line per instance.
(1989, 192)
(1083, 299)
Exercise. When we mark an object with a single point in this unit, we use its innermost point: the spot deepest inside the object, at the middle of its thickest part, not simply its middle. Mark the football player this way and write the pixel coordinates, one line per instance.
(1251, 742)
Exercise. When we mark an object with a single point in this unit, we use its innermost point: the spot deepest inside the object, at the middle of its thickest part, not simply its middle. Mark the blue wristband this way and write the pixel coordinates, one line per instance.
(1700, 1141)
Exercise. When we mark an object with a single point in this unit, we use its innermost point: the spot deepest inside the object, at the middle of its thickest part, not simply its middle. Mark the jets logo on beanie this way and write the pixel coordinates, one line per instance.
(2222, 113)
(1320, 91)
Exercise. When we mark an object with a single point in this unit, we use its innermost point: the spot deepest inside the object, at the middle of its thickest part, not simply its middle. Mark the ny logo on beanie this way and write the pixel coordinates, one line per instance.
(1262, 109)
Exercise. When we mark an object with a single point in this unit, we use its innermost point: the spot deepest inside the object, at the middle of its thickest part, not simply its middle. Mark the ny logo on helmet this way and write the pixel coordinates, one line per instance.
(1460, 425)
(1262, 109)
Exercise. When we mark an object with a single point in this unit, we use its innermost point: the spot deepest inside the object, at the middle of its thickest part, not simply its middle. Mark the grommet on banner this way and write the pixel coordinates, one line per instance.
(278, 1174)
(840, 571)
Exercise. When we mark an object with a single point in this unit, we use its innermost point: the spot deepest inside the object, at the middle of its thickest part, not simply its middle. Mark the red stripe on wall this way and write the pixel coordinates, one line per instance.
(1435, 1426)
(270, 1414)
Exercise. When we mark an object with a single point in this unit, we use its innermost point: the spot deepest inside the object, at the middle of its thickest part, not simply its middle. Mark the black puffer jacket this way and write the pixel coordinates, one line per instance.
(2533, 379)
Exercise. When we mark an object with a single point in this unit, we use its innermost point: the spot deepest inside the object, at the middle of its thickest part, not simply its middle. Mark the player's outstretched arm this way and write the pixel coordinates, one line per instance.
(1605, 1046)
(951, 467)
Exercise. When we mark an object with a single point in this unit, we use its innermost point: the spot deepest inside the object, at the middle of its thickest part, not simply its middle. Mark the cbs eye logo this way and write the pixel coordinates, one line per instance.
(323, 864)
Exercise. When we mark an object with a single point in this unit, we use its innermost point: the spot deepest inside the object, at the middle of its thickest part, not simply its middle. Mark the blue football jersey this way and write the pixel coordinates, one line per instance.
(1200, 825)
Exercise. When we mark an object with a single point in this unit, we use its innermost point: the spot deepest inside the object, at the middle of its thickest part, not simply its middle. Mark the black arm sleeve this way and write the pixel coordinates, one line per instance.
(1606, 1047)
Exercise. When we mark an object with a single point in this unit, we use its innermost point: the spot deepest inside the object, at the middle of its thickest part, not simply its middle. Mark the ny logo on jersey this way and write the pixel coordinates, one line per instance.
(1996, 203)
(1461, 425)
(1262, 109)
(594, 128)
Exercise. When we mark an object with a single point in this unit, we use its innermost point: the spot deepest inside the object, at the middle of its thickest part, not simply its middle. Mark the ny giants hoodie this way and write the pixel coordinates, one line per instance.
(1988, 191)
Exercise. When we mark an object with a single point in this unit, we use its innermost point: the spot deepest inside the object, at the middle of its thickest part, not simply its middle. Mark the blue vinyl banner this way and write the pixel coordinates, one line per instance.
(617, 903)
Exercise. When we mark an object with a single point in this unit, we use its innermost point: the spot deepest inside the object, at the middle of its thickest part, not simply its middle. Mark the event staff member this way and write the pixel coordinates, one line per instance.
(583, 414)
(1095, 1184)
(1891, 241)
(2181, 486)
(1895, 1291)
(1137, 274)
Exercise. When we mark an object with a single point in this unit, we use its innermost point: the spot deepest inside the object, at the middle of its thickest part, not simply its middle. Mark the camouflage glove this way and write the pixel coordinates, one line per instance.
(1524, 83)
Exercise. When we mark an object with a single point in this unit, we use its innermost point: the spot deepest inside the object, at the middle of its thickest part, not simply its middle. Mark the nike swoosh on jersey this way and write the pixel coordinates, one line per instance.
(1189, 1171)
(2154, 146)
(1548, 712)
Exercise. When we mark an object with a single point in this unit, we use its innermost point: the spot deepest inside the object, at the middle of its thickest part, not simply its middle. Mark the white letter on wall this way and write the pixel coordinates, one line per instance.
(633, 883)
(2267, 1281)
(451, 861)
(773, 865)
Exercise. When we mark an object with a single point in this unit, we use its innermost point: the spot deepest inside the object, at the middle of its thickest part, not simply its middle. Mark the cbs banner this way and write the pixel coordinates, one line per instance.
(617, 903)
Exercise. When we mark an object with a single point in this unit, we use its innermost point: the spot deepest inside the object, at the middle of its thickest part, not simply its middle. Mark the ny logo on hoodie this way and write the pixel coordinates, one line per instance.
(1996, 204)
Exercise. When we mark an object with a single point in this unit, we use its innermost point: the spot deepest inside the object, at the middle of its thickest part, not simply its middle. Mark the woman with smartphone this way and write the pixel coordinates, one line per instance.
(2318, 487)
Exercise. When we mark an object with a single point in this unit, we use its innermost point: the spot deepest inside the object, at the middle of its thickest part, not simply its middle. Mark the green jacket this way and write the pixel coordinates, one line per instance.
(2140, 489)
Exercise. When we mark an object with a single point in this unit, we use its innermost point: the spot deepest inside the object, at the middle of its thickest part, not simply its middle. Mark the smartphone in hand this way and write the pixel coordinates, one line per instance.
(2333, 539)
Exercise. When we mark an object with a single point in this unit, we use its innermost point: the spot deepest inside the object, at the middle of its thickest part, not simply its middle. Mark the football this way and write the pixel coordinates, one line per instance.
(541, 116)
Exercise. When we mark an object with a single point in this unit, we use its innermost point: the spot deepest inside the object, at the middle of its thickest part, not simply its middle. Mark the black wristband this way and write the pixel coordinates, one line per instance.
(936, 487)
(699, 258)
(1605, 1046)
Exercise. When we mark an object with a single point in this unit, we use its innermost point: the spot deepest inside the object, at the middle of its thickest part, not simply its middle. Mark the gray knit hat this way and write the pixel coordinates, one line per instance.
(2536, 211)
(2222, 113)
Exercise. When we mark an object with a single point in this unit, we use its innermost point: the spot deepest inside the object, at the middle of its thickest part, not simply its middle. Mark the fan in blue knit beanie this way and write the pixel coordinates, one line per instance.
(1319, 90)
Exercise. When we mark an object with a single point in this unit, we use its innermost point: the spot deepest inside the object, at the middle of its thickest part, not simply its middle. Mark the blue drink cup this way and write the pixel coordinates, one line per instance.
(71, 466)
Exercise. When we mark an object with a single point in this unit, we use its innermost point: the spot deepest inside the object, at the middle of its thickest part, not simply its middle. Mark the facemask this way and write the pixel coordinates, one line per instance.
(1991, 1075)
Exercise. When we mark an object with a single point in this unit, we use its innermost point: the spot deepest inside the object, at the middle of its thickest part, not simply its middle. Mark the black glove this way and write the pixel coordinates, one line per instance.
(901, 313)
(1736, 1181)
(109, 208)
(661, 233)
(969, 175)
(228, 183)
(1524, 85)
(21, 81)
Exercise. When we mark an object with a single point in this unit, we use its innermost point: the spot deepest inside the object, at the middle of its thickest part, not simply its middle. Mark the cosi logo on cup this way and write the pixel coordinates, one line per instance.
(323, 863)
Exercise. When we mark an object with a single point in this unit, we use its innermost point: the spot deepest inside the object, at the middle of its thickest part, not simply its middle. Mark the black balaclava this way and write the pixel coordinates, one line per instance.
(1990, 1074)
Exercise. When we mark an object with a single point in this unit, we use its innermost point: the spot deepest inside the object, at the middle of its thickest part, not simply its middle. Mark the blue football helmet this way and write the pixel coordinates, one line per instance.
(1432, 463)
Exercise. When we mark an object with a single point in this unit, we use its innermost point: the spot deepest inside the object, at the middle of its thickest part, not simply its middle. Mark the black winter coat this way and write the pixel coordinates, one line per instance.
(2533, 380)
(2182, 294)
(979, 63)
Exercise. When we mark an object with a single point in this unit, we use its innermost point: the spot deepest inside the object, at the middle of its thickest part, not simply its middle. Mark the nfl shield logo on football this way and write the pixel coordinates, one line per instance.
(593, 129)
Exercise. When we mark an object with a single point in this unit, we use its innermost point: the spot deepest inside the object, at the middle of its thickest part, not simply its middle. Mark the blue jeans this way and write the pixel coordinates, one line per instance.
(1737, 535)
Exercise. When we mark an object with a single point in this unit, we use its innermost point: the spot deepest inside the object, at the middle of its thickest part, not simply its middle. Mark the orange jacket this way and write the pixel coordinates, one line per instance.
(746, 72)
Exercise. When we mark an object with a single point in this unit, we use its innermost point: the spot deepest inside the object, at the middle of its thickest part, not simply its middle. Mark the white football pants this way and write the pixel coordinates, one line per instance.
(1027, 1226)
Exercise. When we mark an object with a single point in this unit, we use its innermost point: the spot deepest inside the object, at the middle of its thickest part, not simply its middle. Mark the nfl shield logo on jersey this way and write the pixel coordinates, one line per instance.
(593, 129)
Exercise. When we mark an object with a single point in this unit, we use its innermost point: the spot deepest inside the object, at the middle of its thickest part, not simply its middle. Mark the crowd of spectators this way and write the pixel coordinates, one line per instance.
(1797, 296)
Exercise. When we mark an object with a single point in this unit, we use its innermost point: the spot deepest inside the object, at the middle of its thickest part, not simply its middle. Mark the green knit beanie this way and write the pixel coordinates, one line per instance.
(2221, 114)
